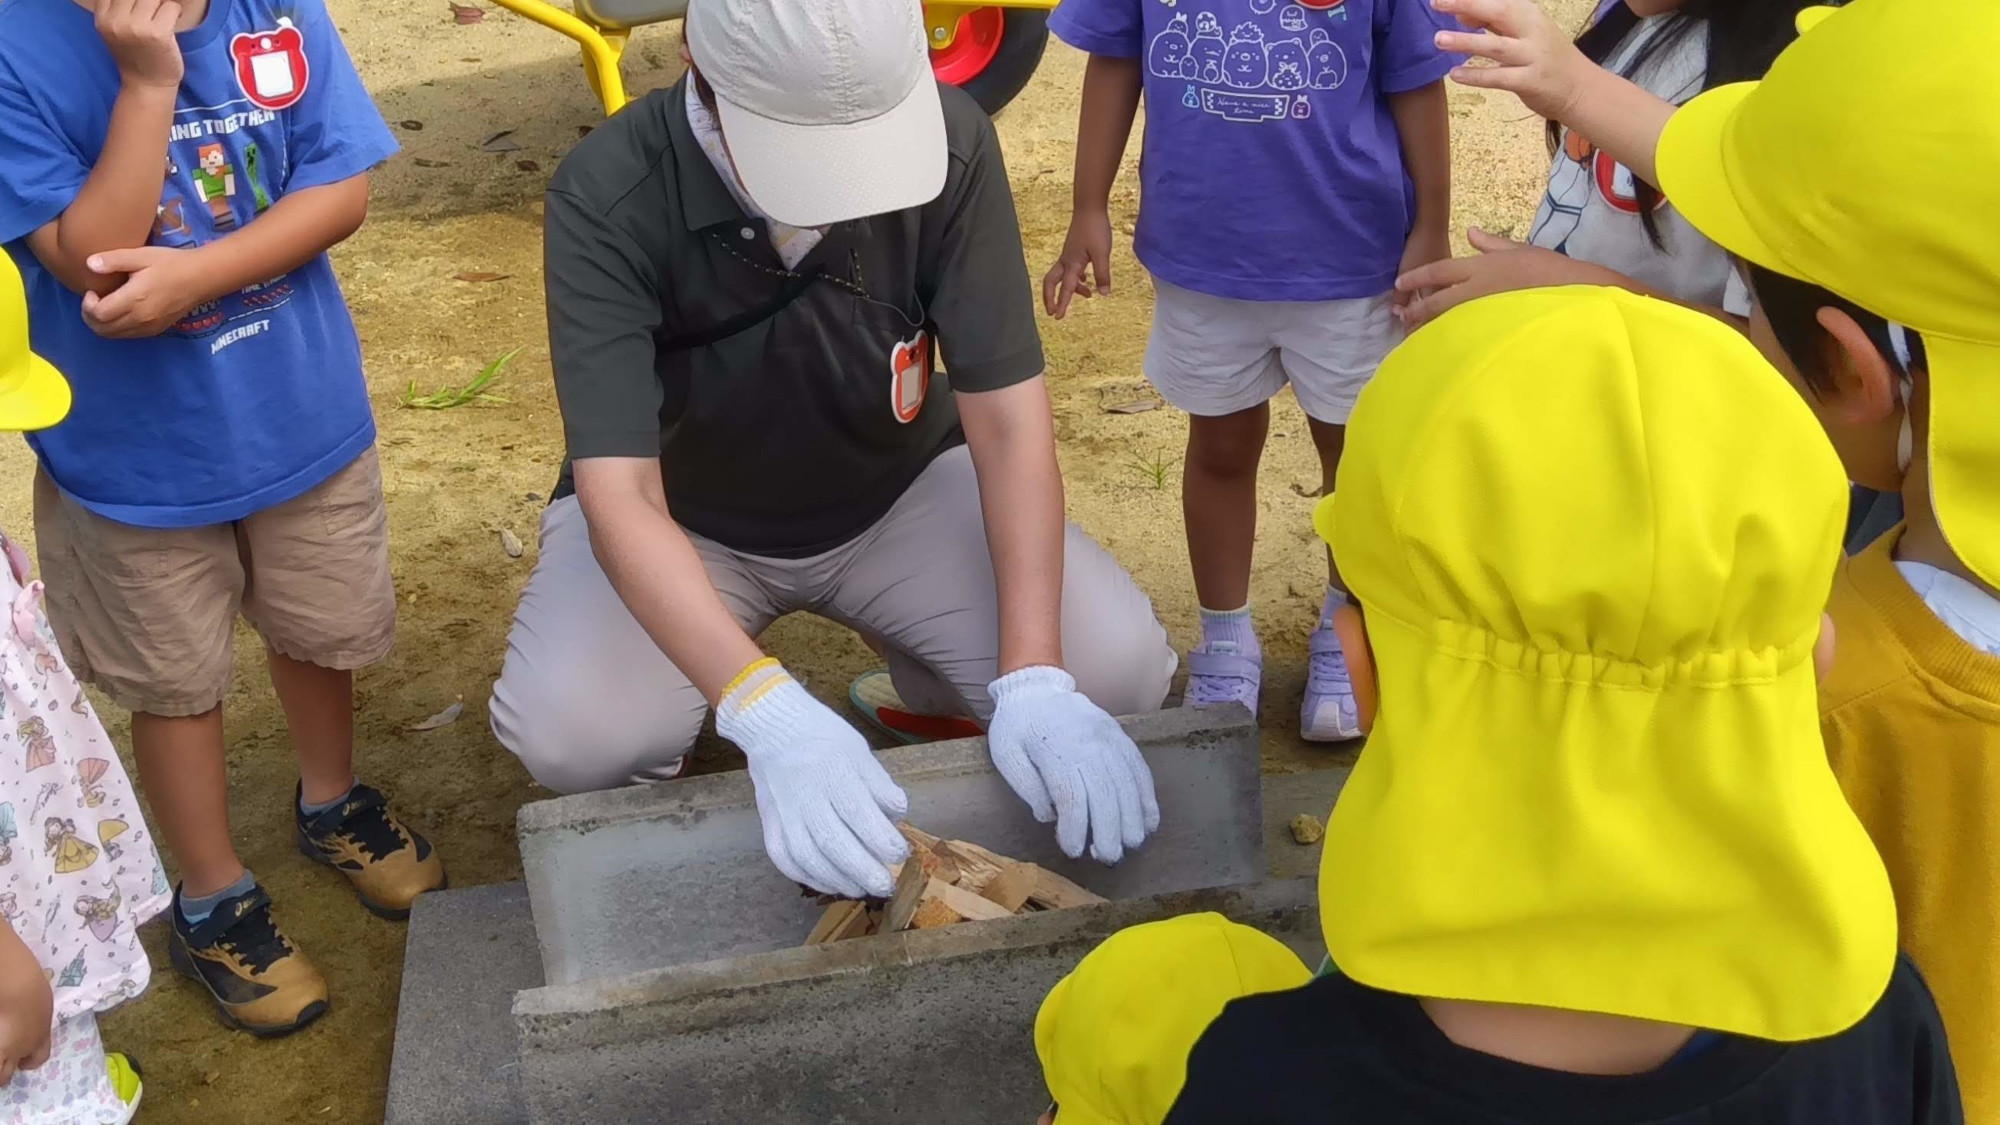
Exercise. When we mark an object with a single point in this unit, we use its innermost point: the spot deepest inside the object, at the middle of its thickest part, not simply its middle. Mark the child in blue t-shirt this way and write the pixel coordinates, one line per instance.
(171, 176)
(1297, 159)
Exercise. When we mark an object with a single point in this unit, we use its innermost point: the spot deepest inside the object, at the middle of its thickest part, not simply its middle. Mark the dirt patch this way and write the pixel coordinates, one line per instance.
(455, 479)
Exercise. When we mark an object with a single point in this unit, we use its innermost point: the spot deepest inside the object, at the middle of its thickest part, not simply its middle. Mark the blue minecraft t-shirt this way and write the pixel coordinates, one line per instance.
(250, 400)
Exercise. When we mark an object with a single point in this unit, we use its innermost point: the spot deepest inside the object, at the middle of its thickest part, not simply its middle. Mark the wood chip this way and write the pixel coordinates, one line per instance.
(1057, 893)
(426, 162)
(1307, 829)
(1010, 890)
(1136, 406)
(477, 277)
(835, 921)
(443, 718)
(933, 913)
(968, 905)
(911, 880)
(502, 141)
(976, 866)
(510, 543)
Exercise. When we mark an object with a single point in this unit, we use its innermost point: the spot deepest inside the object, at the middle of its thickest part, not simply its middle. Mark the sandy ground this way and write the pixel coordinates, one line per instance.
(456, 478)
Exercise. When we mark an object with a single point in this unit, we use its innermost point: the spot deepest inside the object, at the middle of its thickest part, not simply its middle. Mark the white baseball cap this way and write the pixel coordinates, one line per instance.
(829, 106)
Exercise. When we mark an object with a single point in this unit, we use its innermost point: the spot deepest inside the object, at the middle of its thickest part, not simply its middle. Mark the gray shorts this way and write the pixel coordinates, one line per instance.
(587, 701)
(1212, 356)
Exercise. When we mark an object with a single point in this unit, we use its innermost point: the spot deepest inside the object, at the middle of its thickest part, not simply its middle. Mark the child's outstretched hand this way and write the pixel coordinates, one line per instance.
(161, 285)
(140, 34)
(1501, 266)
(1530, 54)
(1425, 247)
(27, 1008)
(1088, 247)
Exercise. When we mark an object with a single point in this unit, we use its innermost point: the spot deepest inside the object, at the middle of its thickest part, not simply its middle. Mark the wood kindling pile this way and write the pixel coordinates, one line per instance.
(945, 882)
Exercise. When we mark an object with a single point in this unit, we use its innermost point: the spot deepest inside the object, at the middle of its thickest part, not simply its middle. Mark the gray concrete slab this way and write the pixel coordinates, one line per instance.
(468, 952)
(929, 1026)
(675, 873)
(1286, 795)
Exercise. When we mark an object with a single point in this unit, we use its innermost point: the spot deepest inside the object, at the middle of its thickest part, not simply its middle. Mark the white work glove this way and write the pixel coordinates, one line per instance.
(829, 808)
(1071, 763)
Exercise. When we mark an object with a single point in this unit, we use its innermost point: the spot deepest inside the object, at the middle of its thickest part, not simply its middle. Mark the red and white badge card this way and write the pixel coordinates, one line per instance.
(271, 65)
(910, 376)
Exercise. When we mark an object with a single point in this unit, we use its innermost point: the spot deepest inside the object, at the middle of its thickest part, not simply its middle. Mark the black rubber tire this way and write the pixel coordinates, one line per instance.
(1021, 46)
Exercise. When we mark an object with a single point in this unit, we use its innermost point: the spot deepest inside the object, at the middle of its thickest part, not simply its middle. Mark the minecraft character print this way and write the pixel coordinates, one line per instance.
(215, 185)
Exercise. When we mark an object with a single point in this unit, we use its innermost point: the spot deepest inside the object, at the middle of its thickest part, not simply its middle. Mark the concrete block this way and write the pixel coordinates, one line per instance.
(675, 873)
(1287, 795)
(928, 1026)
(468, 952)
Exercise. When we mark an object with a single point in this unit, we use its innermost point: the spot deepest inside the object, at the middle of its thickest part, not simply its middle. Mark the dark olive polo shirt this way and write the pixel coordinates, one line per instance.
(793, 435)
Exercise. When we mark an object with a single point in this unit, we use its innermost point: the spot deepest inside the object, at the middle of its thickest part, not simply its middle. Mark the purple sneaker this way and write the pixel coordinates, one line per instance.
(1329, 713)
(1220, 674)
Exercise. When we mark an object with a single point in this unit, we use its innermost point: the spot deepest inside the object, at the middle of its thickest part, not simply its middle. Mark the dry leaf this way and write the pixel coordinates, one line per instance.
(425, 162)
(502, 141)
(584, 130)
(476, 276)
(462, 13)
(1137, 406)
(510, 543)
(527, 166)
(413, 126)
(443, 718)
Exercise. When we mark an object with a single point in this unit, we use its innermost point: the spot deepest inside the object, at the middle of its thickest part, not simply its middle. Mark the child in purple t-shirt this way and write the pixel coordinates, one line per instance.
(1297, 159)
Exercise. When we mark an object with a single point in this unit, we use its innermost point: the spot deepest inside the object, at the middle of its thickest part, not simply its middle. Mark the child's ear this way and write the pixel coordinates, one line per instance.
(1353, 633)
(1823, 648)
(1864, 381)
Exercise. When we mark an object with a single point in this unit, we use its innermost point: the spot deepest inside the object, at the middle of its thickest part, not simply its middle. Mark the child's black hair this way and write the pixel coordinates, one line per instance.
(1744, 38)
(1792, 307)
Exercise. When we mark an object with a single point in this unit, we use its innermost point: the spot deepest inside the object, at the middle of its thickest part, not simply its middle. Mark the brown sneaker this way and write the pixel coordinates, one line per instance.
(389, 864)
(260, 983)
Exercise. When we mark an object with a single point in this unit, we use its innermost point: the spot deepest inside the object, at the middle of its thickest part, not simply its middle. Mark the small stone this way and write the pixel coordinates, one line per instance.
(510, 543)
(1307, 829)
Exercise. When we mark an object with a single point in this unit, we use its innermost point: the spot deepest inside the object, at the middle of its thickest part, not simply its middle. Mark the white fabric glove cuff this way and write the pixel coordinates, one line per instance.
(764, 703)
(1033, 682)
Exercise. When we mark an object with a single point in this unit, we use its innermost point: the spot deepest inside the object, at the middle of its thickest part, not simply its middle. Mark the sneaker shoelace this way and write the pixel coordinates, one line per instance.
(1210, 691)
(255, 939)
(369, 826)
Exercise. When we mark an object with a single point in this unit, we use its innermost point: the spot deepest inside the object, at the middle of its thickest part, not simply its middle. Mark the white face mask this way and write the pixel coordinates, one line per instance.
(1906, 441)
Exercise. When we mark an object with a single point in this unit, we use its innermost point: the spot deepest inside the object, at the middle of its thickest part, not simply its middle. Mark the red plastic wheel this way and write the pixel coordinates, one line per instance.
(973, 49)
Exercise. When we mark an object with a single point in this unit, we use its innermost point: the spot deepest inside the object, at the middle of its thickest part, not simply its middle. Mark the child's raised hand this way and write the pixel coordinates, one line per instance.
(1501, 266)
(27, 1008)
(1088, 247)
(140, 34)
(1530, 54)
(161, 285)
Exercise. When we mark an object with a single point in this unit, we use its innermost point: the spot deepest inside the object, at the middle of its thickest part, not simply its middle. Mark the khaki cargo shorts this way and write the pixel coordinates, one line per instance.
(149, 614)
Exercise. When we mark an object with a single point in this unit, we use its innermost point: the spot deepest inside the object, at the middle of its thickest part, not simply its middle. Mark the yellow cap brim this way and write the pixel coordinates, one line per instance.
(1693, 162)
(37, 401)
(1965, 450)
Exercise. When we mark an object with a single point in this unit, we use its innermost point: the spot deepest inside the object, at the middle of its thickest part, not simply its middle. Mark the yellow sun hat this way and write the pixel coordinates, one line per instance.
(1592, 535)
(1114, 1034)
(1864, 163)
(33, 395)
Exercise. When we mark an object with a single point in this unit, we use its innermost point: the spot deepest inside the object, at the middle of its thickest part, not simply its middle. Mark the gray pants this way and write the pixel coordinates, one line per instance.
(587, 701)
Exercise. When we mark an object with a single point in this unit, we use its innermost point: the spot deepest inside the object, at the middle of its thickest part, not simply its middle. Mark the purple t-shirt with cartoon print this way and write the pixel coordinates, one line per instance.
(1272, 169)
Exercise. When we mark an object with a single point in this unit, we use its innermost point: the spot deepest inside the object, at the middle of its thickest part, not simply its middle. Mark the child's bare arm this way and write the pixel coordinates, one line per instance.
(1423, 122)
(1110, 100)
(27, 1007)
(117, 203)
(165, 283)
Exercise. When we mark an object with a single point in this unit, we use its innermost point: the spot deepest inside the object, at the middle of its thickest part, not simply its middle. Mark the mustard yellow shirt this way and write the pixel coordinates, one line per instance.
(1911, 714)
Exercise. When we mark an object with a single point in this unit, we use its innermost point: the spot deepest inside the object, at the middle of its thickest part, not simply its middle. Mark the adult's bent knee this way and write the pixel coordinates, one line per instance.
(571, 747)
(1127, 668)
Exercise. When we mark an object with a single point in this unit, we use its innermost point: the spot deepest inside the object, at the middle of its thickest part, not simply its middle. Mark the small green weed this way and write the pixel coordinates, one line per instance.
(447, 397)
(1153, 470)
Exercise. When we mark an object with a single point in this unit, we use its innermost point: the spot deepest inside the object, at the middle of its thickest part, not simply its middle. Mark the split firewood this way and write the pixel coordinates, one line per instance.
(945, 882)
(911, 880)
(1012, 887)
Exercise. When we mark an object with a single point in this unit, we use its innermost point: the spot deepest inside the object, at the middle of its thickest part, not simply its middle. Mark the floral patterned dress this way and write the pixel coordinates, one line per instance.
(78, 871)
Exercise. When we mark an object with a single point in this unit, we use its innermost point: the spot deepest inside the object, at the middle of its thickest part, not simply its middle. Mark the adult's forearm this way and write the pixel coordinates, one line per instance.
(1423, 122)
(1012, 438)
(1110, 101)
(115, 208)
(656, 572)
(298, 228)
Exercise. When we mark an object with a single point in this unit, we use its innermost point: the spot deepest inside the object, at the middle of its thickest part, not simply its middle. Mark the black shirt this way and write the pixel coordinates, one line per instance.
(792, 435)
(1338, 1051)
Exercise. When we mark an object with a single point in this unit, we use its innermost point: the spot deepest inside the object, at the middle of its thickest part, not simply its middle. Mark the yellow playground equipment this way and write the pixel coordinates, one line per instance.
(988, 50)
